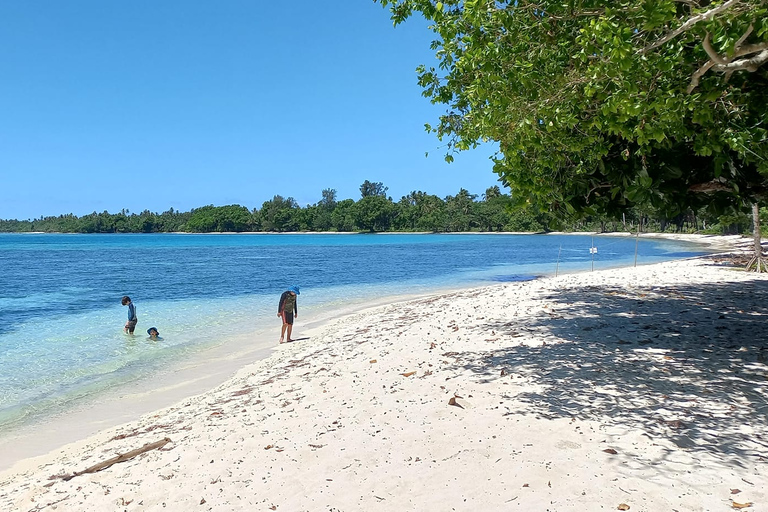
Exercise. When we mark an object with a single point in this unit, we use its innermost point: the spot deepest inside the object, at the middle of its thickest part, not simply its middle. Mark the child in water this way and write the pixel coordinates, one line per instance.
(130, 325)
(153, 334)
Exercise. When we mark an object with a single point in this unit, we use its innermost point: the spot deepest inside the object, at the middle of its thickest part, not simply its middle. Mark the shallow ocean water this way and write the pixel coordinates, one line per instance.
(61, 337)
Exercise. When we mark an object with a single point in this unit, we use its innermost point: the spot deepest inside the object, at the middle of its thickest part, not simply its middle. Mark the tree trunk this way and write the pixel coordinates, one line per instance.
(758, 263)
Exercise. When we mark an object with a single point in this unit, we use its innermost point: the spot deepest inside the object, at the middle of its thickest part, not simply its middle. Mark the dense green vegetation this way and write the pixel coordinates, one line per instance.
(600, 106)
(375, 211)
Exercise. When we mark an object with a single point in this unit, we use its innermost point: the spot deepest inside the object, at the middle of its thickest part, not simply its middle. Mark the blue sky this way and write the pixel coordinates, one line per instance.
(151, 105)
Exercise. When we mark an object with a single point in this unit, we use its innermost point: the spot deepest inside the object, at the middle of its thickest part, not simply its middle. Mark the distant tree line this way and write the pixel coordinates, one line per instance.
(374, 211)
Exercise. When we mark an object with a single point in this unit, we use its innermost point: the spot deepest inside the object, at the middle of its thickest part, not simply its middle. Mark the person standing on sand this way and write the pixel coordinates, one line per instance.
(130, 325)
(288, 309)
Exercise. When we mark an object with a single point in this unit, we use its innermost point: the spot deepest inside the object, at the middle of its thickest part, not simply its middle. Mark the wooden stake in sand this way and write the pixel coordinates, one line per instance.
(120, 458)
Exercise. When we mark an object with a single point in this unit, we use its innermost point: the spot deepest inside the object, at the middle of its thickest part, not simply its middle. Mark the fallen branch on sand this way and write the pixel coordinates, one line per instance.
(119, 458)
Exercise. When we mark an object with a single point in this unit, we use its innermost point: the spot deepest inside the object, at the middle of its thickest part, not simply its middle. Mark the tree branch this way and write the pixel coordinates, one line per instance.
(696, 78)
(729, 65)
(704, 16)
(716, 58)
(750, 48)
(750, 64)
(744, 37)
(711, 186)
(119, 458)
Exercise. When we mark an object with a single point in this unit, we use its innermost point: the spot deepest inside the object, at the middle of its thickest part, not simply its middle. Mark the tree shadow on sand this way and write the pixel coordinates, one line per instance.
(687, 363)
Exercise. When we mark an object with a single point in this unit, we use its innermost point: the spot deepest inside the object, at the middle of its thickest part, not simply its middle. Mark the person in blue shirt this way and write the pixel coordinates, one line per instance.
(130, 325)
(288, 309)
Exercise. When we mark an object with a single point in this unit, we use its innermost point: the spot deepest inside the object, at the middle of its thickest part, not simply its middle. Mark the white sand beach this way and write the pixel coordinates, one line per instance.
(642, 389)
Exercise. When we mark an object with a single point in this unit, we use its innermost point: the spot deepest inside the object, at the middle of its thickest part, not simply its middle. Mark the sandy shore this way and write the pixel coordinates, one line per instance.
(640, 386)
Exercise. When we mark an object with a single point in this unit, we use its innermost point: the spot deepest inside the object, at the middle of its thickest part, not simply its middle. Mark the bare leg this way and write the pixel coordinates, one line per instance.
(290, 328)
(282, 333)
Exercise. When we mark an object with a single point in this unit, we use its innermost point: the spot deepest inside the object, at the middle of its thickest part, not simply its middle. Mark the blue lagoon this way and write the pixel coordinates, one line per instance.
(214, 298)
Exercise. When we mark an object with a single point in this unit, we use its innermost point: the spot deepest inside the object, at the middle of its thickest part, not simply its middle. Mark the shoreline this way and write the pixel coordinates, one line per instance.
(190, 376)
(381, 343)
(706, 239)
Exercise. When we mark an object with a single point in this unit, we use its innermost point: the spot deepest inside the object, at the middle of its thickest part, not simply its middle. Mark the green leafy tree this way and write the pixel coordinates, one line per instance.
(493, 211)
(304, 218)
(460, 211)
(598, 106)
(329, 198)
(406, 215)
(419, 211)
(278, 214)
(368, 189)
(219, 219)
(322, 219)
(145, 222)
(432, 213)
(256, 220)
(342, 217)
(374, 213)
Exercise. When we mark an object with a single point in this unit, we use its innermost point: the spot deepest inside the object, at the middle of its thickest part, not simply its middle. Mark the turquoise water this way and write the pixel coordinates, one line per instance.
(61, 337)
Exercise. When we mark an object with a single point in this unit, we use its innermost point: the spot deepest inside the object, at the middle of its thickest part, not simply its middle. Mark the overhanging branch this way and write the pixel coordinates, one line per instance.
(716, 58)
(697, 76)
(750, 64)
(710, 187)
(704, 16)
(727, 65)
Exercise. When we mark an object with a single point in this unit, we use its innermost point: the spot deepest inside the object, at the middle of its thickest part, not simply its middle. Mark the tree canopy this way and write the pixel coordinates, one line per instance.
(599, 106)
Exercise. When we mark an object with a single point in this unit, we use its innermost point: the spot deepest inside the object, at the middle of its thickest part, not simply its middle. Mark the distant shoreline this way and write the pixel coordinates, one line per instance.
(719, 242)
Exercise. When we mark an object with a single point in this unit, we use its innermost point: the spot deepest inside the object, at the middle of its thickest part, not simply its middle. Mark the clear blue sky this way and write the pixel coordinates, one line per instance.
(152, 105)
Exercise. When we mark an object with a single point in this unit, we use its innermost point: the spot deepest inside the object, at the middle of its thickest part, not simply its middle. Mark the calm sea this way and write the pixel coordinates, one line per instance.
(61, 338)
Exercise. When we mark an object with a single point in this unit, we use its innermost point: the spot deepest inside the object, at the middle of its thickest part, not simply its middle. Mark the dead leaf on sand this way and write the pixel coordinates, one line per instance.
(202, 501)
(458, 401)
(373, 361)
(735, 491)
(432, 345)
(623, 506)
(408, 374)
(526, 485)
(675, 424)
(611, 451)
(741, 505)
(269, 446)
(503, 373)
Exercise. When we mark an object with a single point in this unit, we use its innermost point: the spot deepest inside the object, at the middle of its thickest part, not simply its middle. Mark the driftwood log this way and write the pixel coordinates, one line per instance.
(119, 458)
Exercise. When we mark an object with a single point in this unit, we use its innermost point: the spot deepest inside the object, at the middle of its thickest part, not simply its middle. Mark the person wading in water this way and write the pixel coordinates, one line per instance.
(288, 309)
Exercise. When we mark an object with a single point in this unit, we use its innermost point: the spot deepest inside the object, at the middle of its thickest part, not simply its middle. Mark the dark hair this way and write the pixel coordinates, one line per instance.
(126, 300)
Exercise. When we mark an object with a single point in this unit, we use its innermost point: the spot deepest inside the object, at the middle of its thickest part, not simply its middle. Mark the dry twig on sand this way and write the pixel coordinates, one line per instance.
(119, 458)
